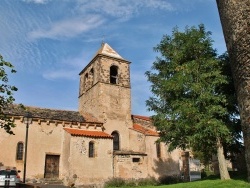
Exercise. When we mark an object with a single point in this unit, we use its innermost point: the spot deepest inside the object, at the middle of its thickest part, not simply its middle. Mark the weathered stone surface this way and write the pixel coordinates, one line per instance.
(235, 19)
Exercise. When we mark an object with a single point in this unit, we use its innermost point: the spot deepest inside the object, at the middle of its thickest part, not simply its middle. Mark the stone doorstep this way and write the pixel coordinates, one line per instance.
(52, 181)
(27, 185)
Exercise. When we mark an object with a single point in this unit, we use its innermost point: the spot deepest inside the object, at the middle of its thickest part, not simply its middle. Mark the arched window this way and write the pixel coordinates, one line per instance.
(158, 149)
(85, 81)
(116, 141)
(19, 151)
(114, 74)
(92, 76)
(91, 149)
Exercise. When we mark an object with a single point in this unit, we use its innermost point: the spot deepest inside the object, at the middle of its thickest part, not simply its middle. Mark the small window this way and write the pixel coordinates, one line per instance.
(136, 160)
(158, 149)
(92, 76)
(19, 151)
(114, 74)
(116, 141)
(91, 149)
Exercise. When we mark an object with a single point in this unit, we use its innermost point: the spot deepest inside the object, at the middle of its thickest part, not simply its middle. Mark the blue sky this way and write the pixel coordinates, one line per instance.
(50, 41)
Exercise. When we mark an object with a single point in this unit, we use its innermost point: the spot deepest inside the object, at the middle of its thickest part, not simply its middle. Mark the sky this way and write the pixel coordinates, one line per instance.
(50, 41)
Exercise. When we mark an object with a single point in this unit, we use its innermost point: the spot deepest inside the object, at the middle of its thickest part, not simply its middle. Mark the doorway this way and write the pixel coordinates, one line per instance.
(51, 166)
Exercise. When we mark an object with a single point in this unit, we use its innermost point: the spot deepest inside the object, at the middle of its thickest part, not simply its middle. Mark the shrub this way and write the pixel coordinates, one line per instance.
(170, 179)
(147, 181)
(119, 182)
(115, 182)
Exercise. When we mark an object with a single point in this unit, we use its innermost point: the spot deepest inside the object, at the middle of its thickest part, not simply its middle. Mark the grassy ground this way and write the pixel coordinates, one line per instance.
(211, 182)
(237, 181)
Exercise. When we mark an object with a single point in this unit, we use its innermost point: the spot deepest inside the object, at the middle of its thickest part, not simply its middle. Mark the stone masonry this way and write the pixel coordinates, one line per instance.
(235, 19)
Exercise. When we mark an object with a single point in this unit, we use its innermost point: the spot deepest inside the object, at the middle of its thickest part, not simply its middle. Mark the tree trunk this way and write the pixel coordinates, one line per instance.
(235, 19)
(224, 175)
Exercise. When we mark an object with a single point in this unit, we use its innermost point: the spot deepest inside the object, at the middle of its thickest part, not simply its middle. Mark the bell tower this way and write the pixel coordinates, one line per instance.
(105, 90)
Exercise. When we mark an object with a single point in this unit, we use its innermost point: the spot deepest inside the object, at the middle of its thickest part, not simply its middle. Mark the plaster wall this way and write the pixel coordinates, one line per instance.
(42, 139)
(138, 141)
(166, 164)
(129, 166)
(90, 170)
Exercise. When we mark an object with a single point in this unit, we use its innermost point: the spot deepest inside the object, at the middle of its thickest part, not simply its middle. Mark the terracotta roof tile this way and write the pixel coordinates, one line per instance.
(142, 117)
(144, 130)
(88, 133)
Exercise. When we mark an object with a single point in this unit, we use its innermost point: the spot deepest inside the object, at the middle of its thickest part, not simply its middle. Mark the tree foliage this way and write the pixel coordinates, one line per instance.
(6, 97)
(232, 120)
(188, 87)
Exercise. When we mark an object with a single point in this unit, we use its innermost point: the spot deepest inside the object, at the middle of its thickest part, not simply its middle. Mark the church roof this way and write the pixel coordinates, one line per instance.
(105, 50)
(88, 133)
(108, 51)
(45, 113)
(143, 130)
(146, 118)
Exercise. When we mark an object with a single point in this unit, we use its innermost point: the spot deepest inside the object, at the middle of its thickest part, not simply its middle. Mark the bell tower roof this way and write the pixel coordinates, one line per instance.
(108, 51)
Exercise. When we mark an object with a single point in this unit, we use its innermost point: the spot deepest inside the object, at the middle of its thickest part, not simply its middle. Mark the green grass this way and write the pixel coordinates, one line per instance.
(238, 181)
(209, 184)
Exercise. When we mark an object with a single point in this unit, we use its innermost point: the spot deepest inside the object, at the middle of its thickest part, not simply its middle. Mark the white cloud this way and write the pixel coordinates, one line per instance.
(122, 8)
(36, 1)
(61, 74)
(68, 28)
(67, 69)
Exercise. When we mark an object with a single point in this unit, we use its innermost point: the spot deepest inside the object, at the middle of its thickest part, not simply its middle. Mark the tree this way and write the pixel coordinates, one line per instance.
(6, 97)
(190, 105)
(235, 20)
(232, 120)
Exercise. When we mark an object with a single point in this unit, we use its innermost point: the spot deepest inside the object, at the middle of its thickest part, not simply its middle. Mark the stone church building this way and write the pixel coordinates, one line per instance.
(101, 140)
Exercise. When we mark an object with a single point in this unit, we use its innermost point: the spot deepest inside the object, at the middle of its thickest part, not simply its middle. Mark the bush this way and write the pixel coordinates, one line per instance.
(115, 182)
(170, 179)
(119, 182)
(206, 173)
(147, 181)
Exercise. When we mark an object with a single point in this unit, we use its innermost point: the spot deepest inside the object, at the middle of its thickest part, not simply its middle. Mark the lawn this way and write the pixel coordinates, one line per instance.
(209, 182)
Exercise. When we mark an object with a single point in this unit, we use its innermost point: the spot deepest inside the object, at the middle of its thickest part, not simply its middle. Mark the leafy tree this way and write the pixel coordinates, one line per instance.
(190, 105)
(6, 97)
(232, 119)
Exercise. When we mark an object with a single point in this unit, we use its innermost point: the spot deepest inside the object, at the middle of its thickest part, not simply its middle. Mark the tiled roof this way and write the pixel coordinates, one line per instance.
(142, 117)
(107, 50)
(36, 112)
(144, 130)
(88, 133)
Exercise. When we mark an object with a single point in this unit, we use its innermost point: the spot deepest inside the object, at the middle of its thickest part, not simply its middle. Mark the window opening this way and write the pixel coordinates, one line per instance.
(136, 160)
(91, 149)
(158, 149)
(86, 81)
(19, 151)
(116, 141)
(114, 74)
(92, 76)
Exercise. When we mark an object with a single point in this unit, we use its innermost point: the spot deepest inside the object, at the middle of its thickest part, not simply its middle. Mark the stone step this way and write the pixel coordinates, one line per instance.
(52, 181)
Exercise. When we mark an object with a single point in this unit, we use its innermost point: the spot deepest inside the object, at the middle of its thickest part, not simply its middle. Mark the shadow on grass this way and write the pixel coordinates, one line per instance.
(236, 175)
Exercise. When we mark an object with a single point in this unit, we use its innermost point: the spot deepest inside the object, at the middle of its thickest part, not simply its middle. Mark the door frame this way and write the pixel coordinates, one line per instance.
(57, 156)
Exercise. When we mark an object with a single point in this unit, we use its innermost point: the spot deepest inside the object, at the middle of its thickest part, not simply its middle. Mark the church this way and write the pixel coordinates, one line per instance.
(100, 141)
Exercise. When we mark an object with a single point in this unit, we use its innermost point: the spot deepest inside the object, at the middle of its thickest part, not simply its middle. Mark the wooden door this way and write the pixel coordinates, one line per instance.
(51, 166)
